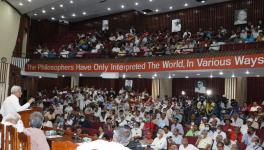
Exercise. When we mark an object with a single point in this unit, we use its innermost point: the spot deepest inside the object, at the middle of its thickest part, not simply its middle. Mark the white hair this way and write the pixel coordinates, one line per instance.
(15, 89)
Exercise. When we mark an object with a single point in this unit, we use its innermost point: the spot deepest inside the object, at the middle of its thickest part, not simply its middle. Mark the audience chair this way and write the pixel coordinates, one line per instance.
(2, 130)
(10, 138)
(23, 142)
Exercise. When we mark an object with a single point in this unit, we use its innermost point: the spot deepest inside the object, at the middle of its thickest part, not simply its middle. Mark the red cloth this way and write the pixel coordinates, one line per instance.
(234, 136)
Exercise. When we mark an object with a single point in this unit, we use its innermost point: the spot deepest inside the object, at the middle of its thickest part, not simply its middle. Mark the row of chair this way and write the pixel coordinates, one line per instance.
(13, 140)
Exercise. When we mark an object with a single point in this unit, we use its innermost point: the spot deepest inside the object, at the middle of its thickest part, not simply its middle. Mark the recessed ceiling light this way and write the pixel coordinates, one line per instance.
(35, 14)
(139, 75)
(81, 74)
(124, 76)
(198, 74)
(136, 3)
(122, 6)
(43, 11)
(169, 77)
(247, 72)
(62, 17)
(257, 75)
(150, 0)
(202, 1)
(186, 4)
(84, 13)
(63, 75)
(61, 5)
(108, 8)
(29, 0)
(71, 2)
(157, 10)
(170, 7)
(155, 75)
(52, 8)
(74, 15)
(233, 76)
(221, 73)
(20, 4)
(186, 77)
(211, 76)
(52, 18)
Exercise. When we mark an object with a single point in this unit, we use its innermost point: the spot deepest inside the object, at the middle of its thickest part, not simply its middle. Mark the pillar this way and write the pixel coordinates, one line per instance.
(241, 90)
(165, 87)
(74, 81)
(155, 88)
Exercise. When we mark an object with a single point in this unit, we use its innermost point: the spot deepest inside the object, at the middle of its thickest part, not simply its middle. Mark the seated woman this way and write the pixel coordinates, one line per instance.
(37, 136)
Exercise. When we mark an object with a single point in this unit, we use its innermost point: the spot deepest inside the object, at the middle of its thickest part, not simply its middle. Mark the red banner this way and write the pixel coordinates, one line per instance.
(227, 62)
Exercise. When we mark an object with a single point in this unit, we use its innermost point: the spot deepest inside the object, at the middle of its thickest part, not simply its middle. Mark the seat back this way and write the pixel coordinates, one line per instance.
(63, 145)
(10, 138)
(23, 141)
(2, 130)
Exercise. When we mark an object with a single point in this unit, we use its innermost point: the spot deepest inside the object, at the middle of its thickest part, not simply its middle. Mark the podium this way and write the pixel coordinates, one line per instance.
(26, 113)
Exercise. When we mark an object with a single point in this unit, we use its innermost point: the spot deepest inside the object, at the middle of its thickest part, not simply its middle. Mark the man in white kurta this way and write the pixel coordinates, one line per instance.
(11, 105)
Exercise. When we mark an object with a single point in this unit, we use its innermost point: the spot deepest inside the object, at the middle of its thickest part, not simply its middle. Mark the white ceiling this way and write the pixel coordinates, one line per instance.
(94, 8)
(227, 73)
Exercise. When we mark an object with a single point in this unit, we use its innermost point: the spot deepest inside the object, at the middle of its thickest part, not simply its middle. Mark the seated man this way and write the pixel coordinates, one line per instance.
(186, 146)
(204, 141)
(160, 142)
(37, 136)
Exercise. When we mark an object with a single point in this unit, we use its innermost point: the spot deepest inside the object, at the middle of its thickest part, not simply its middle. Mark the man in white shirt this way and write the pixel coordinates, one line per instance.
(236, 121)
(136, 131)
(204, 141)
(186, 146)
(163, 121)
(160, 142)
(11, 104)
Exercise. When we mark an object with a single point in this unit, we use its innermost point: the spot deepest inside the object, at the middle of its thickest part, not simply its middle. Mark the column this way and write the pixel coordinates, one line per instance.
(155, 88)
(230, 88)
(241, 90)
(74, 81)
(165, 87)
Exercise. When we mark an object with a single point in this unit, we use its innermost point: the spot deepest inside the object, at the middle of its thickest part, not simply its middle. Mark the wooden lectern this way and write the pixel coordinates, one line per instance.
(26, 113)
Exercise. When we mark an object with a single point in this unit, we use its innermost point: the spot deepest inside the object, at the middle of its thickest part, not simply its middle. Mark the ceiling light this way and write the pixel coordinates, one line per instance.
(198, 74)
(150, 0)
(209, 92)
(81, 74)
(43, 11)
(52, 8)
(144, 13)
(247, 72)
(35, 14)
(71, 2)
(20, 4)
(84, 13)
(136, 3)
(173, 74)
(139, 75)
(186, 77)
(63, 76)
(61, 5)
(157, 10)
(170, 7)
(122, 6)
(233, 76)
(29, 0)
(186, 4)
(221, 73)
(108, 8)
(52, 18)
(183, 92)
(169, 77)
(211, 76)
(124, 76)
(155, 75)
(74, 15)
(40, 77)
(257, 75)
(62, 17)
(202, 1)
